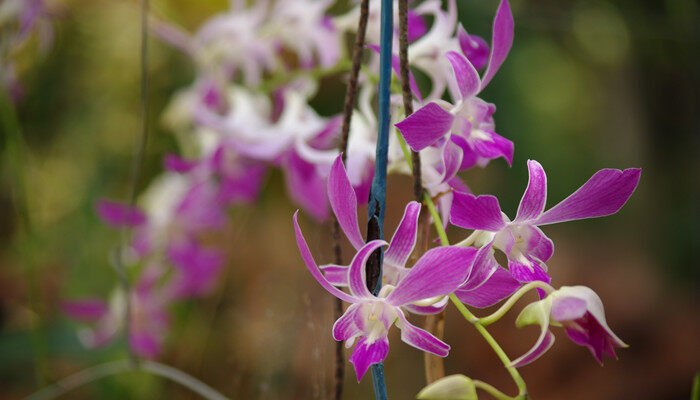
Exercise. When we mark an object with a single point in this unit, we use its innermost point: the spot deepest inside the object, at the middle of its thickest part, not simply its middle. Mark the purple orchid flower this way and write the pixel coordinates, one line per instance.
(474, 48)
(525, 245)
(149, 320)
(580, 311)
(369, 317)
(469, 122)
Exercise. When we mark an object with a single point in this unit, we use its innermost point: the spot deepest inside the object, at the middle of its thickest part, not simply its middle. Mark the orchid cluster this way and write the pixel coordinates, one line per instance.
(19, 21)
(248, 111)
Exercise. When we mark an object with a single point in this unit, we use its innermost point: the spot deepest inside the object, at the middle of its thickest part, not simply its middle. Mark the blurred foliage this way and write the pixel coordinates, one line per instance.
(588, 85)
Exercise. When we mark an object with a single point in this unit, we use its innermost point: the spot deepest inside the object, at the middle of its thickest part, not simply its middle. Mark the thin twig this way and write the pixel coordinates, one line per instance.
(349, 106)
(116, 367)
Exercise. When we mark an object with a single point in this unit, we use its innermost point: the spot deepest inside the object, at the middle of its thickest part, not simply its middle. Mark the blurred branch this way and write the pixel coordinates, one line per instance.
(116, 367)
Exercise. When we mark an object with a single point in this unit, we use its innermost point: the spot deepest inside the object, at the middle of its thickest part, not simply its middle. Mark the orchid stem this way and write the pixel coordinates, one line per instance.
(116, 367)
(474, 320)
(490, 319)
(491, 390)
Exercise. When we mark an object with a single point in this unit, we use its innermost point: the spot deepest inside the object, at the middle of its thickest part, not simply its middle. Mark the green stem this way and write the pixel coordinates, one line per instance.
(490, 319)
(116, 367)
(491, 390)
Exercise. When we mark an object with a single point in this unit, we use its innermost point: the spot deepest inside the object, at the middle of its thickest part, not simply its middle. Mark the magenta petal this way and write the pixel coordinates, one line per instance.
(498, 286)
(438, 272)
(305, 186)
(604, 194)
(535, 196)
(344, 203)
(587, 331)
(484, 266)
(198, 268)
(420, 339)
(425, 310)
(538, 244)
(311, 265)
(472, 212)
(337, 275)
(357, 280)
(497, 146)
(85, 309)
(467, 77)
(366, 354)
(501, 41)
(544, 342)
(404, 238)
(117, 214)
(425, 126)
(452, 160)
(145, 344)
(528, 273)
(175, 163)
(416, 26)
(474, 48)
(345, 327)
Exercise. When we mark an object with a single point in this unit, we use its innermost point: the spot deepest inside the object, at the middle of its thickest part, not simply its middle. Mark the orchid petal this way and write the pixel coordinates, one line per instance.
(305, 186)
(366, 354)
(498, 286)
(357, 280)
(438, 272)
(85, 309)
(501, 40)
(535, 313)
(425, 126)
(117, 214)
(472, 212)
(420, 339)
(474, 48)
(493, 147)
(311, 265)
(337, 275)
(345, 327)
(484, 266)
(603, 194)
(465, 74)
(535, 196)
(344, 203)
(404, 239)
(528, 271)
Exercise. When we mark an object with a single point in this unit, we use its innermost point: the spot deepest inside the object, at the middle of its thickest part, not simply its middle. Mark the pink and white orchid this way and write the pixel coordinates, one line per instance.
(468, 123)
(521, 239)
(579, 311)
(368, 319)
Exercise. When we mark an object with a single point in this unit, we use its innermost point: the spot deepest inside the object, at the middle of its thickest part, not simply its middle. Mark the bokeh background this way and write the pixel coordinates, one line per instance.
(588, 85)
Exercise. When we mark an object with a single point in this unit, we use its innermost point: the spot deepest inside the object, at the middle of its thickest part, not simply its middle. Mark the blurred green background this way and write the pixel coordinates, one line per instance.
(588, 85)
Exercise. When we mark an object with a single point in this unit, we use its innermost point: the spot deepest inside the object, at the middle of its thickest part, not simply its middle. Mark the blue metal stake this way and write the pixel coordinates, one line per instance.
(377, 200)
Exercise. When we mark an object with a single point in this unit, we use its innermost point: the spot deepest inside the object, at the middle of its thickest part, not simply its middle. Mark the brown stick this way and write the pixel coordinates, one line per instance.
(350, 99)
(435, 324)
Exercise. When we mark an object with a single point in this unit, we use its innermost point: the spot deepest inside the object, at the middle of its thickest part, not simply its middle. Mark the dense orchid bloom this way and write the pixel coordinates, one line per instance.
(468, 123)
(368, 319)
(149, 319)
(521, 240)
(579, 311)
(303, 27)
